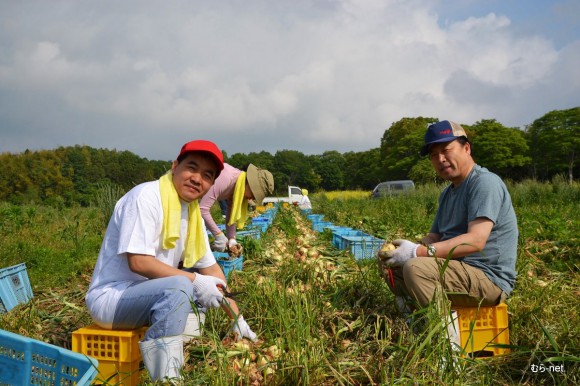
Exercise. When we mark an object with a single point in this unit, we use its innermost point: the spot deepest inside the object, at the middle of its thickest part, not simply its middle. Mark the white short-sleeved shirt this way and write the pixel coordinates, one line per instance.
(135, 227)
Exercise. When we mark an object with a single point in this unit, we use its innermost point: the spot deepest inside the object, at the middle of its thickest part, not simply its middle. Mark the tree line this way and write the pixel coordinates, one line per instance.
(71, 175)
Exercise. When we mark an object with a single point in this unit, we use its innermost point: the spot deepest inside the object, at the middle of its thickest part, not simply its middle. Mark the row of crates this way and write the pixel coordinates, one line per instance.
(257, 226)
(266, 219)
(260, 224)
(361, 244)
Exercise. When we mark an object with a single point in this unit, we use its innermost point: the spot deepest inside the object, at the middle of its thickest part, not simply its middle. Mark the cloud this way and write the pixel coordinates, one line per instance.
(310, 75)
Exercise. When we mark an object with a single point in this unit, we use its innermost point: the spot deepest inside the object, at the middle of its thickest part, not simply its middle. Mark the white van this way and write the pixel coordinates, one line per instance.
(389, 188)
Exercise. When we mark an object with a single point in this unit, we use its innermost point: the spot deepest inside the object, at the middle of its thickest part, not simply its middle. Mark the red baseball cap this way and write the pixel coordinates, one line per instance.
(207, 147)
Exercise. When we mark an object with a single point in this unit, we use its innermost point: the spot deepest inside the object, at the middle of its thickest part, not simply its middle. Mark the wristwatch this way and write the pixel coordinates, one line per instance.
(431, 251)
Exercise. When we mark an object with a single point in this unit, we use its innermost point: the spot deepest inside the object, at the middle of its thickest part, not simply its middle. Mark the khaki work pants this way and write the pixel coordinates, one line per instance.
(464, 285)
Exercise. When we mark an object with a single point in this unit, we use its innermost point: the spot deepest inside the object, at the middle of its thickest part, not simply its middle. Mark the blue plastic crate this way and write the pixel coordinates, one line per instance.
(227, 263)
(269, 215)
(336, 229)
(261, 219)
(319, 226)
(262, 222)
(14, 287)
(345, 230)
(263, 226)
(363, 247)
(25, 361)
(315, 217)
(332, 227)
(339, 237)
(251, 232)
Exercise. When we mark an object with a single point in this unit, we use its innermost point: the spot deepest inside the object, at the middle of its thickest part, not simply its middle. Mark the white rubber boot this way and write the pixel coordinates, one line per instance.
(453, 331)
(193, 326)
(451, 322)
(163, 357)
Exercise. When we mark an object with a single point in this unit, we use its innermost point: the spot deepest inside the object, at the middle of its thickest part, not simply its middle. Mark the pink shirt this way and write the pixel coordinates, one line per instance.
(222, 189)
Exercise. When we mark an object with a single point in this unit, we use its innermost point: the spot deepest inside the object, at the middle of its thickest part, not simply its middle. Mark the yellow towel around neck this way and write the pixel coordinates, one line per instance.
(195, 242)
(239, 212)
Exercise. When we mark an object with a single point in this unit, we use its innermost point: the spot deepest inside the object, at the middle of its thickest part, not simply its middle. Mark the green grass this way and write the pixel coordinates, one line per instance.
(329, 320)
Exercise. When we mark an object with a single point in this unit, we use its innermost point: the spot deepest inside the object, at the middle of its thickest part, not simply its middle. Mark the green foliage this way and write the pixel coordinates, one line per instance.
(330, 167)
(423, 173)
(71, 175)
(501, 149)
(548, 217)
(400, 146)
(363, 170)
(54, 243)
(389, 217)
(262, 160)
(554, 140)
(292, 167)
(75, 175)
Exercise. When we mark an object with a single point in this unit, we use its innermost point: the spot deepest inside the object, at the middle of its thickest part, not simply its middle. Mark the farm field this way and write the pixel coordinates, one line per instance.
(324, 318)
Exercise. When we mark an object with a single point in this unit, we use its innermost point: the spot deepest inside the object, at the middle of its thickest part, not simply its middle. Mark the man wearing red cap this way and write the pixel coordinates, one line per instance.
(136, 282)
(475, 225)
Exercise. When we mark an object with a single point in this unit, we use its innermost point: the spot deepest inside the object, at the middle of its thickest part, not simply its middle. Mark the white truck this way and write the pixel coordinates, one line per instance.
(294, 196)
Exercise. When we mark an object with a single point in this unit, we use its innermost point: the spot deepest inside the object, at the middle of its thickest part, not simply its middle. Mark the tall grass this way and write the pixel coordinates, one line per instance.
(55, 243)
(106, 198)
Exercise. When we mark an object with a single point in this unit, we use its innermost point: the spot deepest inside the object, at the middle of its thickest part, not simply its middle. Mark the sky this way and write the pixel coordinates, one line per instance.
(266, 75)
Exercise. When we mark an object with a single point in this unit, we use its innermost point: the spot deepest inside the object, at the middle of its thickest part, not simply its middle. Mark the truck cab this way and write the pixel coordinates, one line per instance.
(294, 195)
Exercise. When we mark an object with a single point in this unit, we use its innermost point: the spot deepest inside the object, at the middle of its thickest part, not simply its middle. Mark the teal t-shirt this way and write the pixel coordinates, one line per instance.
(482, 194)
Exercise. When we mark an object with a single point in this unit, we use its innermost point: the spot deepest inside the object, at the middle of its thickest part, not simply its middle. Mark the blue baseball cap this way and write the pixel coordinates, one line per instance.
(443, 131)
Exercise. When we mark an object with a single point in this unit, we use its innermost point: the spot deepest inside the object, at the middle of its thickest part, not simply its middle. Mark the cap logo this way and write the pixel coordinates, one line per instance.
(448, 131)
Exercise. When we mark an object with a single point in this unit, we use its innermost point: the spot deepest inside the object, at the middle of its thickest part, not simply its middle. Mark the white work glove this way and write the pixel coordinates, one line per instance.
(220, 242)
(207, 292)
(242, 330)
(406, 251)
(234, 248)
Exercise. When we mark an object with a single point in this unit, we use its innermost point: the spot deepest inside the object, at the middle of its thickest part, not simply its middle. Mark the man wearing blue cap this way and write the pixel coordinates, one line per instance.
(475, 224)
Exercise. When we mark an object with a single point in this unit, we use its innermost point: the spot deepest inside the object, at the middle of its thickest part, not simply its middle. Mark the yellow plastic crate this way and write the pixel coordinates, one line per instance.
(117, 351)
(483, 327)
